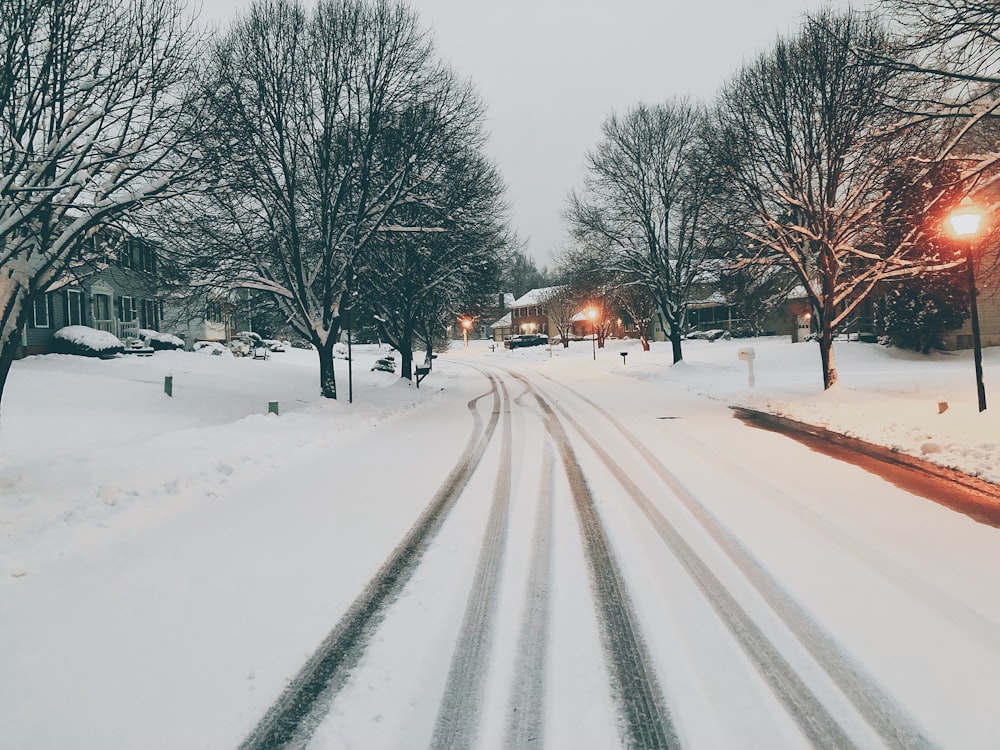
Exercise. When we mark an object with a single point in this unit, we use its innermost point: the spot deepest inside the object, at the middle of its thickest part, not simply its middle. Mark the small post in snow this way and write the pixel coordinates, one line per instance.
(168, 385)
(624, 354)
(747, 354)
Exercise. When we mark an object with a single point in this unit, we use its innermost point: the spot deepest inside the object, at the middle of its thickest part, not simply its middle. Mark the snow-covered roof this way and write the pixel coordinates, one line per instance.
(799, 291)
(508, 300)
(715, 298)
(504, 322)
(537, 296)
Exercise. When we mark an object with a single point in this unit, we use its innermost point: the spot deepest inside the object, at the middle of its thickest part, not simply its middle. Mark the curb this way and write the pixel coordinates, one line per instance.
(967, 494)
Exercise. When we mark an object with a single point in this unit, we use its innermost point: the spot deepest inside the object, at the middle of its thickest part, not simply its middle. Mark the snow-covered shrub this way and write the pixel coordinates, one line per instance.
(249, 337)
(240, 348)
(713, 335)
(210, 347)
(340, 350)
(87, 341)
(160, 341)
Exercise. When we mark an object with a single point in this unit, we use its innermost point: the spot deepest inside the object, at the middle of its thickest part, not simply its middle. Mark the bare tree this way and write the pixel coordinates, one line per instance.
(439, 257)
(804, 137)
(94, 125)
(954, 47)
(561, 306)
(329, 119)
(642, 208)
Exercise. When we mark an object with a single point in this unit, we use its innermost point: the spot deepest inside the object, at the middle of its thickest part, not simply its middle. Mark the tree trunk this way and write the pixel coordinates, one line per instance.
(827, 358)
(406, 362)
(327, 378)
(405, 348)
(675, 343)
(7, 349)
(644, 334)
(10, 345)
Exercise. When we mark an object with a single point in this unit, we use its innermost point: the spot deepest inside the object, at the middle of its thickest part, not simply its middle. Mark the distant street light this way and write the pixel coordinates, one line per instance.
(466, 325)
(965, 222)
(592, 314)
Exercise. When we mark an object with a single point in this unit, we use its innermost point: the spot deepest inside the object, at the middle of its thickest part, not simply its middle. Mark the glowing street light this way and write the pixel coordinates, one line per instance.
(466, 325)
(965, 222)
(592, 314)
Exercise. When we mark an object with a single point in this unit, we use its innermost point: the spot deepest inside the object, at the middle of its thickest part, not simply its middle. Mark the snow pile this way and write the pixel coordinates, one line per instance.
(211, 347)
(160, 340)
(84, 338)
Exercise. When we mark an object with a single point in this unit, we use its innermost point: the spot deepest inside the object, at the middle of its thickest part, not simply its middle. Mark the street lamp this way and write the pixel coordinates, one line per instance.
(965, 221)
(466, 325)
(592, 314)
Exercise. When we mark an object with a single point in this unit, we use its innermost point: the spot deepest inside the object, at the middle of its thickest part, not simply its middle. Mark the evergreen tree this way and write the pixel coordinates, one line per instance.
(917, 312)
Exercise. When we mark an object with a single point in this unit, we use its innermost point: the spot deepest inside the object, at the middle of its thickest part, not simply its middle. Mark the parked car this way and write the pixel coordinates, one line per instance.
(526, 339)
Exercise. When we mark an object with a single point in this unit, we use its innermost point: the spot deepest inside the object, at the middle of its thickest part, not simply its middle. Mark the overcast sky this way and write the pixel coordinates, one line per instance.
(550, 71)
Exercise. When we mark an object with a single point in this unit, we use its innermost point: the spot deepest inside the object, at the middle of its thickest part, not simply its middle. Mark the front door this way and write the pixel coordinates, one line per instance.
(103, 320)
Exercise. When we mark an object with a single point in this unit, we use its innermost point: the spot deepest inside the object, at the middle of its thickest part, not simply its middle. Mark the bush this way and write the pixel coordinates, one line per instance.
(918, 313)
(160, 341)
(86, 341)
(210, 347)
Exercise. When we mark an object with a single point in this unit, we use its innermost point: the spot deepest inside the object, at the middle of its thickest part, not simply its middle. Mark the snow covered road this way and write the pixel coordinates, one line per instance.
(541, 554)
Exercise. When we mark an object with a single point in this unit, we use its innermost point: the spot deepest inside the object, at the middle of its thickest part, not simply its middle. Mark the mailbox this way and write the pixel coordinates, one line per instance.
(746, 354)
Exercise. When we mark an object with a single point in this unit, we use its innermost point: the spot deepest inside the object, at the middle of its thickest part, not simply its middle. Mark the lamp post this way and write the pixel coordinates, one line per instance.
(466, 325)
(592, 314)
(965, 223)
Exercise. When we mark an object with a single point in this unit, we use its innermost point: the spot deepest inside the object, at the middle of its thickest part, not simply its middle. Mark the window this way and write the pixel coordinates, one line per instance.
(127, 309)
(74, 307)
(144, 257)
(125, 255)
(149, 314)
(214, 313)
(40, 311)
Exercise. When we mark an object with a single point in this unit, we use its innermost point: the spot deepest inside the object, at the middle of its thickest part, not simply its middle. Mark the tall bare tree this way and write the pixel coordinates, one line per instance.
(94, 124)
(805, 137)
(330, 117)
(642, 207)
(439, 257)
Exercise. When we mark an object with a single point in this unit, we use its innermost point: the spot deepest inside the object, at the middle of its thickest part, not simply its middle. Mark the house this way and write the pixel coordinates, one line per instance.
(528, 314)
(502, 328)
(115, 289)
(199, 318)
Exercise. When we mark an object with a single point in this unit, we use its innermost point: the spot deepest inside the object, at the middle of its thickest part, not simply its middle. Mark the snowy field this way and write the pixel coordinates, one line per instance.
(97, 464)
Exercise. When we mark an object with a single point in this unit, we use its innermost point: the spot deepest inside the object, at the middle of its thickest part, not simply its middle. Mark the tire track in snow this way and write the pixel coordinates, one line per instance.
(813, 719)
(458, 716)
(889, 720)
(646, 717)
(526, 707)
(293, 717)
